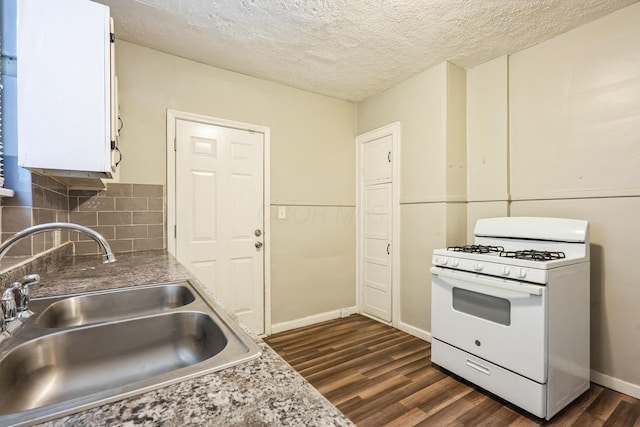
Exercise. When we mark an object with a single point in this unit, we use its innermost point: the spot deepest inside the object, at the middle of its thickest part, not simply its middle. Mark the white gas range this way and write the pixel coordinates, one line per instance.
(511, 312)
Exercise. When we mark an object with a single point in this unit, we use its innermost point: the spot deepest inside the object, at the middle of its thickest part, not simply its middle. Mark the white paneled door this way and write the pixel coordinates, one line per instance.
(378, 228)
(220, 215)
(377, 271)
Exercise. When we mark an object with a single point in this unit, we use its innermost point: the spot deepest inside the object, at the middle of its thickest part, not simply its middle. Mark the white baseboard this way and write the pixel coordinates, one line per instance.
(312, 320)
(616, 384)
(346, 312)
(336, 314)
(416, 332)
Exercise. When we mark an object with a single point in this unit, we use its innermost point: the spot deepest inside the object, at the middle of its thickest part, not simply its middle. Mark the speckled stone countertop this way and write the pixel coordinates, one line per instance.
(262, 392)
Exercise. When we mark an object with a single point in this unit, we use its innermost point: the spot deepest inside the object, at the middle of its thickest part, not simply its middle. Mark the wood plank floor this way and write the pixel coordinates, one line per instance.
(379, 376)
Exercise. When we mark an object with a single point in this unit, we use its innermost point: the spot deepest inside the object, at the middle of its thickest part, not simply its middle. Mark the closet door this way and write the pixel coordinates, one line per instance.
(378, 223)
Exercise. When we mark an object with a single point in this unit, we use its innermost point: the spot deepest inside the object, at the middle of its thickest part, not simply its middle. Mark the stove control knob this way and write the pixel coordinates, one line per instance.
(522, 273)
(506, 270)
(455, 263)
(441, 261)
(478, 266)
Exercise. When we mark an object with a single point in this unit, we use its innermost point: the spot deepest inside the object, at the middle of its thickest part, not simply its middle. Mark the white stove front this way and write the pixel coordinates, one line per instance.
(505, 324)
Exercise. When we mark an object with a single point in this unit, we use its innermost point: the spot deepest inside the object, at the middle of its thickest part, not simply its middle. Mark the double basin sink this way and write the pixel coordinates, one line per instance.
(84, 350)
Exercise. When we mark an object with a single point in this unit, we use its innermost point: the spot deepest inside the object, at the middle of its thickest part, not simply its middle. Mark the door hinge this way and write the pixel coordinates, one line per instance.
(175, 231)
(112, 37)
(175, 143)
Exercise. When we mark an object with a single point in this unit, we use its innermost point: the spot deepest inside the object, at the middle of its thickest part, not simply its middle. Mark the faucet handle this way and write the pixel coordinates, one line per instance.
(8, 303)
(15, 300)
(22, 294)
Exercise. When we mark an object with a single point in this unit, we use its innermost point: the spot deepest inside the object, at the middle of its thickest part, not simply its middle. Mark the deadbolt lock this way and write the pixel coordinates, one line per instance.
(258, 233)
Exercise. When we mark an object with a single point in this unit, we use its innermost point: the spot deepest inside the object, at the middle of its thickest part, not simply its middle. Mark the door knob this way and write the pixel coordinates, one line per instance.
(258, 245)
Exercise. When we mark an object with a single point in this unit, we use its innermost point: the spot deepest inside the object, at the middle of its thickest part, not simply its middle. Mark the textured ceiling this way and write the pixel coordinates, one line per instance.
(348, 49)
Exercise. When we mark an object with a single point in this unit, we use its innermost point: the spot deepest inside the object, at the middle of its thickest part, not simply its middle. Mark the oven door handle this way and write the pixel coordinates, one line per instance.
(472, 282)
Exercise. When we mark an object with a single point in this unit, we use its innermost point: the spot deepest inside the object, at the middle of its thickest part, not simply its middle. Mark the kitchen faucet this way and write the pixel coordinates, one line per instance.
(55, 226)
(15, 299)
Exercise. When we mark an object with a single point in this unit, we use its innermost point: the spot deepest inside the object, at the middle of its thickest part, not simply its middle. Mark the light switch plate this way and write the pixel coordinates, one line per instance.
(282, 212)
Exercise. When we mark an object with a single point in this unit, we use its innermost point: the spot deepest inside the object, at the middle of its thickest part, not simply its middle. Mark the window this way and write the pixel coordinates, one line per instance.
(8, 84)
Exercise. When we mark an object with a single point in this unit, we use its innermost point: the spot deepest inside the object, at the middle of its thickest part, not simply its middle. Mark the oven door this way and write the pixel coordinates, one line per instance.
(502, 321)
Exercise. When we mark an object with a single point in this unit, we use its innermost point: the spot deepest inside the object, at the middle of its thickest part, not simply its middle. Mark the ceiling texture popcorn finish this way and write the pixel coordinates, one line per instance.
(347, 49)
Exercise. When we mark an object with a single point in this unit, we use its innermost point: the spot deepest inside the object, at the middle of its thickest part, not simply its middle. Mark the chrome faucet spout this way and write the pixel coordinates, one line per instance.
(54, 226)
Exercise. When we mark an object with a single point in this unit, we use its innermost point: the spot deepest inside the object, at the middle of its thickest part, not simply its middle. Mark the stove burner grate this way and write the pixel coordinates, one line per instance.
(533, 255)
(478, 249)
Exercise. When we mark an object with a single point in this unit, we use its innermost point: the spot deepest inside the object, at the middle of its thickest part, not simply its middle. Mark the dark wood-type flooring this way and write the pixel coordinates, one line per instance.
(377, 375)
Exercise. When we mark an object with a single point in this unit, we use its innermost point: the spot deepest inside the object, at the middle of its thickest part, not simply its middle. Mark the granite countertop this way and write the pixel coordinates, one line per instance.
(265, 391)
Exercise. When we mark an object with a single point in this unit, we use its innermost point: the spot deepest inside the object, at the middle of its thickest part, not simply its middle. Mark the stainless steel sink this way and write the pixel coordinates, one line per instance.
(109, 305)
(78, 356)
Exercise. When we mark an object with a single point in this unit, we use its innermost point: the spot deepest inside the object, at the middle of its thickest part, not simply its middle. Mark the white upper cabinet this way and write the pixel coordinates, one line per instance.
(65, 94)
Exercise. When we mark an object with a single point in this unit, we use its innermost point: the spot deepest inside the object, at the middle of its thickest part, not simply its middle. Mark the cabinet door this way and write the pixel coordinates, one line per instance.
(64, 107)
(376, 161)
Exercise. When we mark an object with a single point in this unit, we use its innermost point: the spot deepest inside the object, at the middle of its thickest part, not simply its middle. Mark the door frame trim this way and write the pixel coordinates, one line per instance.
(392, 129)
(172, 117)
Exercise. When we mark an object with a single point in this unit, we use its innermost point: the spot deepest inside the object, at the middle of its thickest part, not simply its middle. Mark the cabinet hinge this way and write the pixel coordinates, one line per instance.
(113, 145)
(112, 37)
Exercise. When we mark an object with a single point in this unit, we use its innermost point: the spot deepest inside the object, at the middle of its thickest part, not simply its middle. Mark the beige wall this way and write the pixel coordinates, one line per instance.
(312, 164)
(487, 131)
(575, 112)
(456, 138)
(315, 266)
(487, 142)
(575, 152)
(423, 229)
(430, 108)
